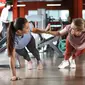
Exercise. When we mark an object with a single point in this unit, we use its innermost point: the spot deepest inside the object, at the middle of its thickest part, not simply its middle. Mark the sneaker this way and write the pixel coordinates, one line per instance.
(40, 66)
(30, 65)
(72, 63)
(64, 64)
(70, 59)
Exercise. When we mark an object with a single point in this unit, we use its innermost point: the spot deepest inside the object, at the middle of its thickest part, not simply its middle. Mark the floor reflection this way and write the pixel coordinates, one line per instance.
(50, 75)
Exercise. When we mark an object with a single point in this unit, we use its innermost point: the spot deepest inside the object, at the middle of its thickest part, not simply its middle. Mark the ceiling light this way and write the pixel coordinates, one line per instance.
(53, 4)
(20, 5)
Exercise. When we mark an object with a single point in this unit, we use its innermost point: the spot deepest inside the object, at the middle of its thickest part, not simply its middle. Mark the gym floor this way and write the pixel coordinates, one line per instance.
(50, 75)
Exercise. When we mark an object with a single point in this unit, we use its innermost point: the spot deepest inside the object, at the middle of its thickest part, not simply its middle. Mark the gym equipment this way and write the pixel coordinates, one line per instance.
(2, 41)
(49, 42)
(62, 45)
(4, 60)
(2, 49)
(3, 44)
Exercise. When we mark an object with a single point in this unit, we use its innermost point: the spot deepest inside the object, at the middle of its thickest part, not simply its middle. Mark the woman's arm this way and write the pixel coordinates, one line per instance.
(61, 32)
(39, 30)
(12, 64)
(81, 46)
(55, 33)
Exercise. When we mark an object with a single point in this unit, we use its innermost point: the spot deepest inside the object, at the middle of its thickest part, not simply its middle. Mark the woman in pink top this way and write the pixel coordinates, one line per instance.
(75, 41)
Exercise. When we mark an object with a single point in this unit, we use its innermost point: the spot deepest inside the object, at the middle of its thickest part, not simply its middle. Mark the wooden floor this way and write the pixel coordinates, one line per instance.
(50, 75)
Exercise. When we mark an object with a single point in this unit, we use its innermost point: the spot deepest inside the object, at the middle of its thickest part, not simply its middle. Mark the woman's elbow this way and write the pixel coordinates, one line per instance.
(34, 30)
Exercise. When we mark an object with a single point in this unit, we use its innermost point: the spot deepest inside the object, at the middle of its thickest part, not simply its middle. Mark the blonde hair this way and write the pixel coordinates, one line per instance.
(79, 23)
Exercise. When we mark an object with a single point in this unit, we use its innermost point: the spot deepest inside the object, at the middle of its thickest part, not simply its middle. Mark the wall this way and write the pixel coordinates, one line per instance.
(65, 4)
(35, 5)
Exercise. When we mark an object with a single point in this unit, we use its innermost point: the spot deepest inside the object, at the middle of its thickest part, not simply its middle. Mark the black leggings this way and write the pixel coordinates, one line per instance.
(32, 48)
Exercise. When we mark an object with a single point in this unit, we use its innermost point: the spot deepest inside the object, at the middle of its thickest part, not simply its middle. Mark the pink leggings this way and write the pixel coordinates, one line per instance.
(71, 51)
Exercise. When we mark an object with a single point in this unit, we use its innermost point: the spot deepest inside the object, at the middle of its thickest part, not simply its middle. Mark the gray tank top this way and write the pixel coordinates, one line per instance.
(21, 41)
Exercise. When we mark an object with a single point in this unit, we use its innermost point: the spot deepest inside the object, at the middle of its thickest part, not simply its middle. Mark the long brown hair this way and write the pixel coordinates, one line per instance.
(10, 38)
(18, 24)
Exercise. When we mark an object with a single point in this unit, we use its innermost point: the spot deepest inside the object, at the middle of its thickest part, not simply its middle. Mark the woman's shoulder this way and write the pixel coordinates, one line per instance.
(68, 26)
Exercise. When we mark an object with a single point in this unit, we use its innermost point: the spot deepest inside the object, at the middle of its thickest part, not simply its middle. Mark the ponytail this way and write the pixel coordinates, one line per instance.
(10, 38)
(18, 24)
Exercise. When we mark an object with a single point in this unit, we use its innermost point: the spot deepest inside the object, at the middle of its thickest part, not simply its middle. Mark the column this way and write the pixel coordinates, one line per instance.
(77, 8)
(15, 11)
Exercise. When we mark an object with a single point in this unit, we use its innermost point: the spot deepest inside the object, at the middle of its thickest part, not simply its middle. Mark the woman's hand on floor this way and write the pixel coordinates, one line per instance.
(14, 78)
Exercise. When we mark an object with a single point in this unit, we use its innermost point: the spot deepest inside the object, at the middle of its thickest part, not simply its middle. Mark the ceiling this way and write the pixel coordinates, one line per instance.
(36, 0)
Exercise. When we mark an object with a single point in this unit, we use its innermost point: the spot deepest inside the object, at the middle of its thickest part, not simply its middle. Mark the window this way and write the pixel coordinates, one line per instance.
(83, 14)
(32, 12)
(64, 14)
(10, 16)
(57, 14)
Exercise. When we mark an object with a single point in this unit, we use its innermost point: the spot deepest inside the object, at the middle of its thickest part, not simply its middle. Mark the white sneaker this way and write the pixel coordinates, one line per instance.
(72, 63)
(64, 64)
(70, 59)
(30, 65)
